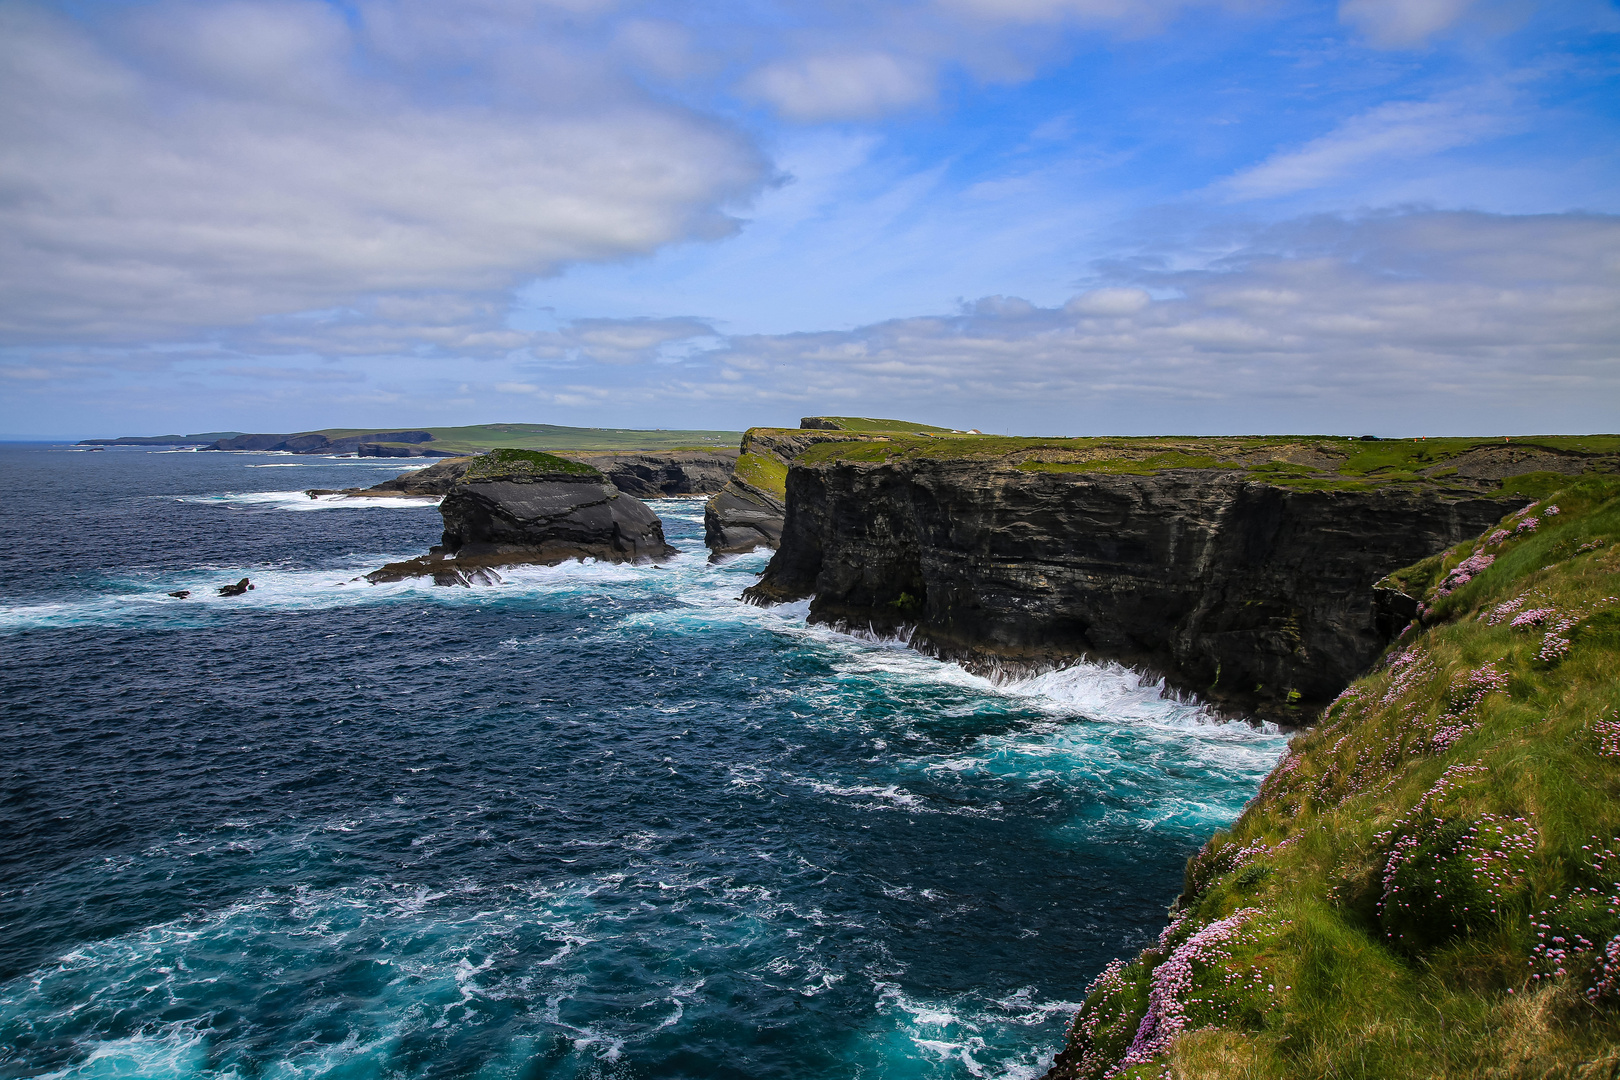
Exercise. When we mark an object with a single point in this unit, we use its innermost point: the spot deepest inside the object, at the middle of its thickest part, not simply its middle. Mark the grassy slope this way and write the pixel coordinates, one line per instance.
(1302, 461)
(1391, 893)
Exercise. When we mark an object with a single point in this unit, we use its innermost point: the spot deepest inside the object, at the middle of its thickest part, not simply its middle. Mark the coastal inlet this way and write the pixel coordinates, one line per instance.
(595, 820)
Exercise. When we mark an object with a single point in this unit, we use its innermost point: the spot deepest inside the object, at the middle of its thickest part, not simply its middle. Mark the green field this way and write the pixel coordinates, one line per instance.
(1312, 462)
(1428, 884)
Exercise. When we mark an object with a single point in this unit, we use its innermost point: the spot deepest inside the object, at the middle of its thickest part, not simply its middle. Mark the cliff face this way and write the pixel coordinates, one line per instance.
(1254, 596)
(747, 512)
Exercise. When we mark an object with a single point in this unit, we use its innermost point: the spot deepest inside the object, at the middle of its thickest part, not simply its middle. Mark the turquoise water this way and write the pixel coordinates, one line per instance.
(595, 821)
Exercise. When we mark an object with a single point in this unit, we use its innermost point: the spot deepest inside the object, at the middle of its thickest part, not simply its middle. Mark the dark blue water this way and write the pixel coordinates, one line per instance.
(597, 821)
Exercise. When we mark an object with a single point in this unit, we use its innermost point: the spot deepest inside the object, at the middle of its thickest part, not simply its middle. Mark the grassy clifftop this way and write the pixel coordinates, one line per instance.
(1428, 884)
(1528, 465)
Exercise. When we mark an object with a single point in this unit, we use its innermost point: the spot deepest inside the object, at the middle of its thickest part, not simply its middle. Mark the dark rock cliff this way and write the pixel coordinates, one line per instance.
(513, 507)
(1254, 596)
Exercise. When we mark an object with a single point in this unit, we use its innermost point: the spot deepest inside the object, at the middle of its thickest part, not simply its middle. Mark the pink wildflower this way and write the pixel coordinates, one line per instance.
(1166, 1015)
(1528, 525)
(1553, 648)
(1533, 617)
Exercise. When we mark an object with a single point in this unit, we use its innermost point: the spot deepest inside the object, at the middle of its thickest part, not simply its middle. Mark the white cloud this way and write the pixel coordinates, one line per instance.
(1131, 14)
(840, 86)
(251, 172)
(1392, 132)
(1114, 301)
(1401, 24)
(619, 341)
(1432, 321)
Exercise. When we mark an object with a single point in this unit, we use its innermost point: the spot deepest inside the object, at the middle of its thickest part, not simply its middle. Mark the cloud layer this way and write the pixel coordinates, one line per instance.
(1406, 322)
(255, 172)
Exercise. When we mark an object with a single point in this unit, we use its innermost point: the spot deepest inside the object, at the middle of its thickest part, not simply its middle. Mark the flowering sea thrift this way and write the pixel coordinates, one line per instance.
(1608, 732)
(1501, 611)
(1562, 932)
(1466, 571)
(1167, 1007)
(1533, 617)
(1527, 525)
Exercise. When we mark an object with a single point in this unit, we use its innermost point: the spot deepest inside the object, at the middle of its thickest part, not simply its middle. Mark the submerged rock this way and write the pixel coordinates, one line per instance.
(180, 594)
(231, 590)
(516, 507)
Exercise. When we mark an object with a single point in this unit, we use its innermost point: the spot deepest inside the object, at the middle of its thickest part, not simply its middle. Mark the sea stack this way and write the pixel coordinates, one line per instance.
(517, 507)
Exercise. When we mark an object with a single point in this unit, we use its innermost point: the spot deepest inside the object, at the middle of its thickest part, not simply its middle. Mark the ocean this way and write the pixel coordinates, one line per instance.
(596, 821)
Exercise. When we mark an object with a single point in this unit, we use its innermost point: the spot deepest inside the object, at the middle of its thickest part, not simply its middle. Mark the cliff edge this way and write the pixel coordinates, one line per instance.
(1241, 569)
(748, 512)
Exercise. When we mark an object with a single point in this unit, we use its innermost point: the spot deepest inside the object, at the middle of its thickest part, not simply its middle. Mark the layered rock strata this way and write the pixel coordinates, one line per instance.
(514, 507)
(1255, 596)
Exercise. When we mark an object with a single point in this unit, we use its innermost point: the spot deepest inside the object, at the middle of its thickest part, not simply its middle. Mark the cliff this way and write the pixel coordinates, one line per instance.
(748, 511)
(513, 507)
(1241, 570)
(1428, 883)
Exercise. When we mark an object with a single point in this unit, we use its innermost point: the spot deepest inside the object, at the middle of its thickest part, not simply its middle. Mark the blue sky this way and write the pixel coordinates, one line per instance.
(1040, 216)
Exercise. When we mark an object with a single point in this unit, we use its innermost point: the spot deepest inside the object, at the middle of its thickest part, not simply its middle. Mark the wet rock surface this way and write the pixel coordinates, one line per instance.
(1256, 597)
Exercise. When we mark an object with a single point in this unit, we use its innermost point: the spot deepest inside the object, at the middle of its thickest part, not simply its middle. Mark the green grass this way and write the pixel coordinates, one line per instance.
(1303, 462)
(1430, 979)
(509, 462)
(765, 473)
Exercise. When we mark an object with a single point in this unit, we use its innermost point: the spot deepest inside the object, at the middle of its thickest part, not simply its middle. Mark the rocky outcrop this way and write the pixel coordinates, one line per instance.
(513, 507)
(661, 474)
(748, 511)
(1255, 596)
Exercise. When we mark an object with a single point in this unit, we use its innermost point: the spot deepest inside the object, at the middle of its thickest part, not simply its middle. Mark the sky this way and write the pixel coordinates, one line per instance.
(1054, 217)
